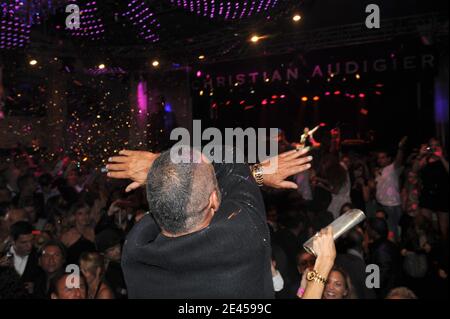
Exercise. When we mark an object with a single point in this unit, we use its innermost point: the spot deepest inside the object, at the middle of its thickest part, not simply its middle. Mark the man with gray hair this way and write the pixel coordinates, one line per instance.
(206, 234)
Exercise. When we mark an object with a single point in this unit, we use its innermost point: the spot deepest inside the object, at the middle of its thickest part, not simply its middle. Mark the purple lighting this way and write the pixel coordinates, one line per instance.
(91, 26)
(139, 14)
(226, 9)
(142, 98)
(15, 24)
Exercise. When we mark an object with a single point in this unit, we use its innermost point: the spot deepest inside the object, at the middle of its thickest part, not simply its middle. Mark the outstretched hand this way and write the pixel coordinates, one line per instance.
(132, 165)
(289, 163)
(135, 165)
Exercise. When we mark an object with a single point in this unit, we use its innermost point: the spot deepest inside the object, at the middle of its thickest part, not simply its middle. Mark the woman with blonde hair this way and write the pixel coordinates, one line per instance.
(92, 266)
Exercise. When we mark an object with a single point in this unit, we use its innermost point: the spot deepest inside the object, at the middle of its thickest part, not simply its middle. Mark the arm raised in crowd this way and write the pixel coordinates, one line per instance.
(135, 165)
(400, 153)
(325, 249)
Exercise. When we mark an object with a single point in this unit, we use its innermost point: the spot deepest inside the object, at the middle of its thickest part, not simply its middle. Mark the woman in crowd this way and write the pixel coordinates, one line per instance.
(433, 171)
(338, 285)
(80, 237)
(92, 266)
(334, 177)
(360, 192)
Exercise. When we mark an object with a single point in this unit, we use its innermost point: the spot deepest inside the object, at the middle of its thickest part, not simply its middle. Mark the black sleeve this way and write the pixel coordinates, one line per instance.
(238, 187)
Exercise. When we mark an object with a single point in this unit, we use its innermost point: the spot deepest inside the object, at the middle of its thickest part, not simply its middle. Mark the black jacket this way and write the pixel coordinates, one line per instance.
(356, 269)
(386, 255)
(228, 259)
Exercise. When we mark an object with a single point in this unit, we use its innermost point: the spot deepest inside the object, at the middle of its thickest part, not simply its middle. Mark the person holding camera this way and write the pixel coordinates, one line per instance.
(432, 168)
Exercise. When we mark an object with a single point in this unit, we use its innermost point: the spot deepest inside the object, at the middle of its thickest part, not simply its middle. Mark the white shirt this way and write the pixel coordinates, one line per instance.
(342, 197)
(278, 282)
(388, 193)
(19, 262)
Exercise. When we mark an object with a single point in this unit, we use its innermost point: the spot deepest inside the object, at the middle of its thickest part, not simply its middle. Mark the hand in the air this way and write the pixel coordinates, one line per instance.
(402, 143)
(323, 245)
(132, 165)
(289, 163)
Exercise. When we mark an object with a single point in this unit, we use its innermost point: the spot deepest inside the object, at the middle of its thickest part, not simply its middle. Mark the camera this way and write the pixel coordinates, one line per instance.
(430, 150)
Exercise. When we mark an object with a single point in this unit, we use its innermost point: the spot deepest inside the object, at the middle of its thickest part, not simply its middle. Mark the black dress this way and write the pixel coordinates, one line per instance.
(80, 246)
(435, 190)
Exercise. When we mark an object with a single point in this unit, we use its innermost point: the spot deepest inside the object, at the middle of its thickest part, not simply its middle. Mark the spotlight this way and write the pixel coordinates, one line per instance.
(358, 76)
(304, 99)
(33, 62)
(155, 63)
(101, 66)
(296, 18)
(201, 57)
(316, 98)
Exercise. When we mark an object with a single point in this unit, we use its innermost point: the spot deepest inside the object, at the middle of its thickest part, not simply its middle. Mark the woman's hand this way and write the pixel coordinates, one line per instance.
(133, 165)
(323, 246)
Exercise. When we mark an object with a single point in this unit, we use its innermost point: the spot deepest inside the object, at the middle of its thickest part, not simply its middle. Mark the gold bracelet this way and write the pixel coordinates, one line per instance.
(313, 275)
(257, 172)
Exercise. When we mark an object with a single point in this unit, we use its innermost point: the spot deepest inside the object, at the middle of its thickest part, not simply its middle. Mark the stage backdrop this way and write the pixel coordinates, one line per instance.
(387, 88)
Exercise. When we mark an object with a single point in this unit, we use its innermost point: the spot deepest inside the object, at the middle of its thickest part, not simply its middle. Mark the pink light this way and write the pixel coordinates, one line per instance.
(362, 95)
(378, 93)
(142, 97)
(274, 97)
(327, 93)
(282, 96)
(264, 102)
(337, 92)
(199, 74)
(242, 102)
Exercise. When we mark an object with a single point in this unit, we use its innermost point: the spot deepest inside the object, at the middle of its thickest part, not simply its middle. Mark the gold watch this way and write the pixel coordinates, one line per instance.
(257, 172)
(313, 275)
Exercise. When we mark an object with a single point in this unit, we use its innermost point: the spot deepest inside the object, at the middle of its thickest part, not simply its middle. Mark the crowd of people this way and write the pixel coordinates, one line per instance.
(404, 195)
(56, 213)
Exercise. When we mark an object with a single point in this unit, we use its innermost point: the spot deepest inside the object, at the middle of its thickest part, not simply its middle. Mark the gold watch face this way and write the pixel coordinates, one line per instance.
(310, 275)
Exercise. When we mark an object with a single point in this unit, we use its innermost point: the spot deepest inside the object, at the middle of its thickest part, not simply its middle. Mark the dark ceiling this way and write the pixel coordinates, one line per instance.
(183, 35)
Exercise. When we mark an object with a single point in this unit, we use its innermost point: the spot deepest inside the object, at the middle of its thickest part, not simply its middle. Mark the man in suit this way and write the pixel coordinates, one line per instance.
(22, 255)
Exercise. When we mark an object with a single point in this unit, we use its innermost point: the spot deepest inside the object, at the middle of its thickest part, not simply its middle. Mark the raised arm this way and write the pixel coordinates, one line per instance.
(135, 165)
(324, 246)
(400, 153)
(314, 130)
